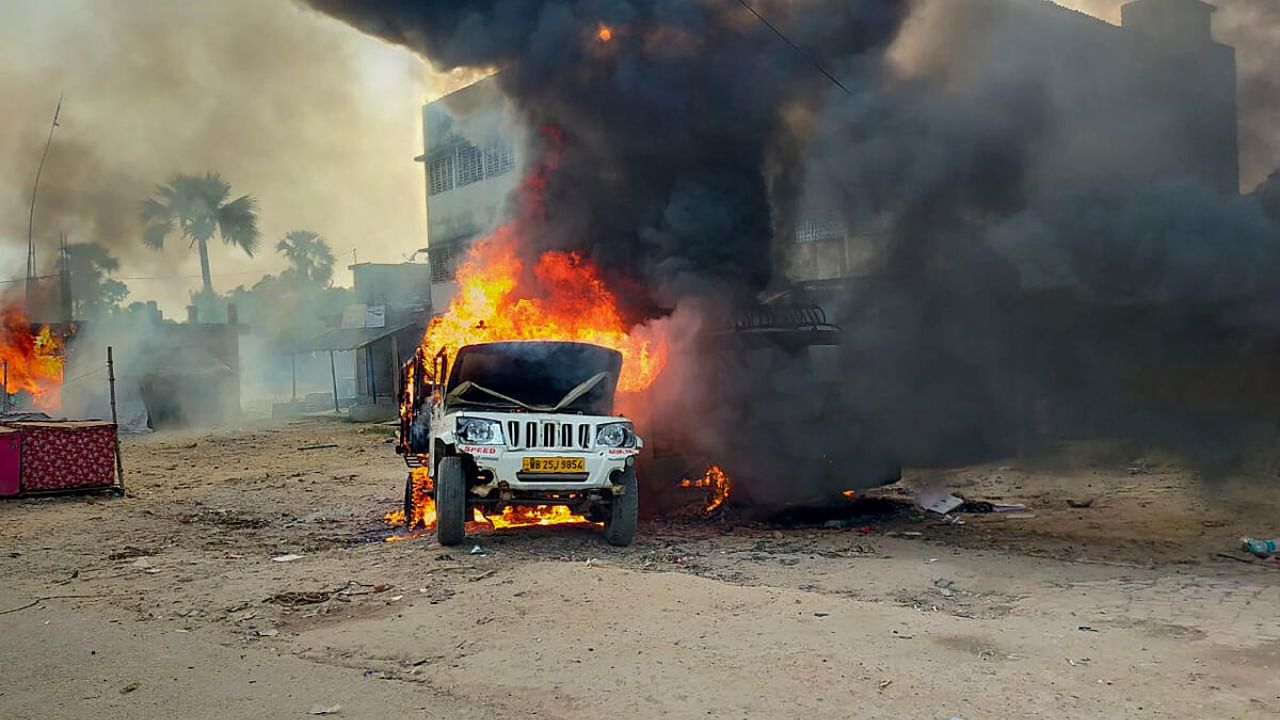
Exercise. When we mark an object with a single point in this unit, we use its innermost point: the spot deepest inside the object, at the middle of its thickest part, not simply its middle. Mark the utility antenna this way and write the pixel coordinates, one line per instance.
(31, 247)
(64, 282)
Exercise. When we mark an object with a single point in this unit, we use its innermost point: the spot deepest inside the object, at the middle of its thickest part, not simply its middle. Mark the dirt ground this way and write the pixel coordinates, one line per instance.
(168, 603)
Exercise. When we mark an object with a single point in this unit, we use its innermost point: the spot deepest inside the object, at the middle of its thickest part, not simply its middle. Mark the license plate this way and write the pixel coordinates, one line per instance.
(554, 464)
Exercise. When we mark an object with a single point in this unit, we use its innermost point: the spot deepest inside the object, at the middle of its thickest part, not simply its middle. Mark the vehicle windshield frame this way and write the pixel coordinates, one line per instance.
(568, 377)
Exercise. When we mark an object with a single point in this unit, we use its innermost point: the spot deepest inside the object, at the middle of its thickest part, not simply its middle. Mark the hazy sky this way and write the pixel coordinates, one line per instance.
(317, 121)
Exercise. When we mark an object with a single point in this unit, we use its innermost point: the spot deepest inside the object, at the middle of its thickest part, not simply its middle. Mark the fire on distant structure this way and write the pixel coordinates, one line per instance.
(32, 360)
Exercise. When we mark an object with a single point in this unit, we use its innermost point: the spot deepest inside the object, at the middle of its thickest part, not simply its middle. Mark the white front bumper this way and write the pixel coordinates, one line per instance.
(506, 467)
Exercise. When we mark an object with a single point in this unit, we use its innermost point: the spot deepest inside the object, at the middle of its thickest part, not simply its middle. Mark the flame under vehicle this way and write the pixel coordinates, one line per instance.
(521, 424)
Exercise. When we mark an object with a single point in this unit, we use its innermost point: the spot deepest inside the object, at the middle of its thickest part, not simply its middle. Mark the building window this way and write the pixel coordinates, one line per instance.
(470, 164)
(818, 228)
(445, 261)
(440, 173)
(498, 159)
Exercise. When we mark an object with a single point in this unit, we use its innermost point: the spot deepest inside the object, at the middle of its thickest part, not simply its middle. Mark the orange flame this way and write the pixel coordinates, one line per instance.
(512, 516)
(569, 301)
(604, 33)
(34, 361)
(561, 298)
(717, 481)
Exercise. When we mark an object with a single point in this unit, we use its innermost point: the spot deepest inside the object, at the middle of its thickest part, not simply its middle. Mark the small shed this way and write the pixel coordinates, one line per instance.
(379, 353)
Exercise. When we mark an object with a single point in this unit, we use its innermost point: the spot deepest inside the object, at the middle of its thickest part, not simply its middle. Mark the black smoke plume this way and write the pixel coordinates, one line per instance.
(1030, 273)
(669, 123)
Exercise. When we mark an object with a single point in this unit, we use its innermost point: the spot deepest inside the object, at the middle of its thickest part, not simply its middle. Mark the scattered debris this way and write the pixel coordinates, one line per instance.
(271, 632)
(821, 614)
(1140, 466)
(1237, 558)
(945, 586)
(286, 558)
(325, 446)
(477, 550)
(141, 563)
(1086, 628)
(346, 591)
(1080, 503)
(39, 600)
(130, 552)
(938, 500)
(319, 709)
(130, 688)
(885, 683)
(295, 599)
(1260, 548)
(481, 576)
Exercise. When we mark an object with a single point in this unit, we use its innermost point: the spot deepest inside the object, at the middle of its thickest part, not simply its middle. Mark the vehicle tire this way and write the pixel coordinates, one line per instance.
(451, 501)
(408, 502)
(624, 511)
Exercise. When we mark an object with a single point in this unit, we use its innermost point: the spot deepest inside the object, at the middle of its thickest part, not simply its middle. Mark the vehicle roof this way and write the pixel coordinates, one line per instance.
(527, 343)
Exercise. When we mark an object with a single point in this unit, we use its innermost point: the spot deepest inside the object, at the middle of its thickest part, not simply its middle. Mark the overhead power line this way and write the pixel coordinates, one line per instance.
(799, 50)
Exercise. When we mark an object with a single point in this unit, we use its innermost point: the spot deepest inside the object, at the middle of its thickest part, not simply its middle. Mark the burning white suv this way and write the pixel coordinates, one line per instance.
(522, 423)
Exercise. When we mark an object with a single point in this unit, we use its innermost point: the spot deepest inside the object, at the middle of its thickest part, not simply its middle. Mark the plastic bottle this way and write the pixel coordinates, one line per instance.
(1261, 548)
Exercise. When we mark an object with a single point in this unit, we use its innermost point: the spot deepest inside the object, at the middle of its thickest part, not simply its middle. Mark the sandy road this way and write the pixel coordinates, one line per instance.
(1121, 609)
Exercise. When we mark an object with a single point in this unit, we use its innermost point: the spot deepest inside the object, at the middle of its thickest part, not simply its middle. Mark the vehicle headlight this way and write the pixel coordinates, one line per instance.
(616, 435)
(479, 431)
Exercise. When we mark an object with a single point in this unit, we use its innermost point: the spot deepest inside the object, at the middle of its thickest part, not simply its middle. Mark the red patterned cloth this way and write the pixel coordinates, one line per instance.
(67, 455)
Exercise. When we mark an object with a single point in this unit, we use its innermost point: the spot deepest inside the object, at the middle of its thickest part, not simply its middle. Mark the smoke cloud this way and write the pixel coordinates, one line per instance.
(1029, 271)
(318, 122)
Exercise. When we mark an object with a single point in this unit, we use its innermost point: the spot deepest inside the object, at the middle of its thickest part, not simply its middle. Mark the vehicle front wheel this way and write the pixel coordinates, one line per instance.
(408, 502)
(451, 501)
(624, 511)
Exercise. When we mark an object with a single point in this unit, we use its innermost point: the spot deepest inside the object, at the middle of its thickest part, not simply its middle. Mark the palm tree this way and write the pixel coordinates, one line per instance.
(310, 256)
(90, 266)
(198, 207)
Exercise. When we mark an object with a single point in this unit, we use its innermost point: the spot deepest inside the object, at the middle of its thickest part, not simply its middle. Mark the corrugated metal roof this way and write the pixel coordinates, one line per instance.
(349, 338)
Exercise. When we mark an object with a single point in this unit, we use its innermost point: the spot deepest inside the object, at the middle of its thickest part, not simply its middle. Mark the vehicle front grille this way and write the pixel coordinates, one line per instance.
(531, 434)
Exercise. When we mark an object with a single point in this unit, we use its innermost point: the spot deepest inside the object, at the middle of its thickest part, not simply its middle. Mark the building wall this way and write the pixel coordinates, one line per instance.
(472, 164)
(393, 284)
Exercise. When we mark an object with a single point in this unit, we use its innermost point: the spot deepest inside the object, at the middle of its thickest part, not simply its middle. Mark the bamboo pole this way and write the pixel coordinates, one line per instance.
(6, 387)
(333, 374)
(115, 419)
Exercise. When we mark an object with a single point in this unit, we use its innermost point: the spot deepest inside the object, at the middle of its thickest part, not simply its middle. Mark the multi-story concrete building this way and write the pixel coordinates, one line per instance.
(472, 163)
